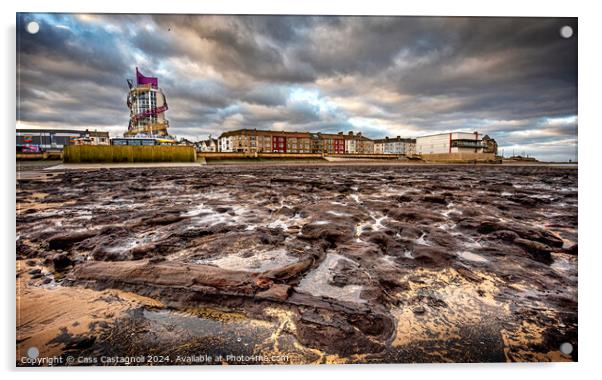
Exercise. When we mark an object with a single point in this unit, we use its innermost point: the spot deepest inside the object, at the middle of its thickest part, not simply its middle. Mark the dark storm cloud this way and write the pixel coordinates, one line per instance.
(513, 78)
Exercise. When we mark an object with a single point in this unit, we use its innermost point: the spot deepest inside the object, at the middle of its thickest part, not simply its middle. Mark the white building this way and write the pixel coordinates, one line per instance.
(452, 142)
(350, 146)
(225, 144)
(379, 146)
(395, 146)
(209, 145)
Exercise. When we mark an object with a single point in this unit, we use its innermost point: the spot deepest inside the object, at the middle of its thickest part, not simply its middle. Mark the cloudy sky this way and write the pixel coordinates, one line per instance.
(512, 78)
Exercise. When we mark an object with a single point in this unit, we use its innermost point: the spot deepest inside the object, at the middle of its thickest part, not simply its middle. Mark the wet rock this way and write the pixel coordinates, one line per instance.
(435, 199)
(156, 259)
(24, 251)
(527, 201)
(538, 251)
(431, 298)
(332, 234)
(390, 281)
(371, 294)
(221, 228)
(144, 276)
(420, 216)
(334, 333)
(572, 250)
(105, 253)
(469, 275)
(270, 236)
(431, 255)
(73, 342)
(61, 261)
(407, 231)
(387, 243)
(419, 310)
(277, 292)
(338, 280)
(505, 235)
(290, 271)
(405, 198)
(142, 251)
(263, 283)
(66, 240)
(469, 212)
(164, 220)
(488, 227)
(286, 211)
(371, 324)
(441, 238)
(468, 224)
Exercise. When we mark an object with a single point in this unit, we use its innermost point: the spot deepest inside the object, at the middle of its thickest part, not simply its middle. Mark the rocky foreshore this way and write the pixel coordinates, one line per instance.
(318, 264)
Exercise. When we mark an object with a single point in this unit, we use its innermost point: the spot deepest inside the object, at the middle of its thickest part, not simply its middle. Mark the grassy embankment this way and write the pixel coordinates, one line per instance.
(75, 154)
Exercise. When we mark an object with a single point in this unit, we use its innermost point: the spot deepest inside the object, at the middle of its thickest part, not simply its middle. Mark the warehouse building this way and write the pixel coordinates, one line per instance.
(448, 143)
(48, 140)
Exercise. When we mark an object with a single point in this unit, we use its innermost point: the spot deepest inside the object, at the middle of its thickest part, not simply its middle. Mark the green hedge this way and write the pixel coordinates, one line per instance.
(118, 153)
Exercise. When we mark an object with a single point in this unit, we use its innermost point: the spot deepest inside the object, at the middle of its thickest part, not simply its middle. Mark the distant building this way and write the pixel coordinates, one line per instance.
(143, 140)
(395, 145)
(92, 138)
(264, 141)
(379, 146)
(254, 140)
(42, 140)
(358, 144)
(489, 145)
(185, 142)
(331, 143)
(209, 145)
(147, 105)
(452, 142)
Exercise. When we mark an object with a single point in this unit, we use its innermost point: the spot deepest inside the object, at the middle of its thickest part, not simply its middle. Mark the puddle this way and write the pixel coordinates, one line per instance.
(202, 215)
(316, 282)
(337, 213)
(225, 333)
(472, 257)
(376, 224)
(260, 261)
(421, 241)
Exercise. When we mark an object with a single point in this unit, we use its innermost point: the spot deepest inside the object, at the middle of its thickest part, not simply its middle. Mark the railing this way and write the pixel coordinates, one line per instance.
(475, 144)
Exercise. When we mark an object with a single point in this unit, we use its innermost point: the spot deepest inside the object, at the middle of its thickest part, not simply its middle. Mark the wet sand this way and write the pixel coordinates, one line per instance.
(299, 264)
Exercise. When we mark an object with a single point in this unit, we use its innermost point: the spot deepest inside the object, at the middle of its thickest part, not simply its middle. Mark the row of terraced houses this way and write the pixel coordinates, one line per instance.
(265, 141)
(261, 141)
